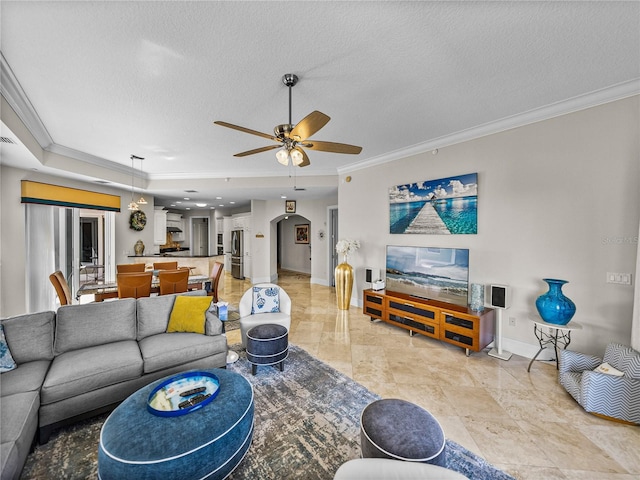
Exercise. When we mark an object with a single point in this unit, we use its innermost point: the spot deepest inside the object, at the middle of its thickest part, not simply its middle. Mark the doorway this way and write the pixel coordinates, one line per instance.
(333, 239)
(200, 236)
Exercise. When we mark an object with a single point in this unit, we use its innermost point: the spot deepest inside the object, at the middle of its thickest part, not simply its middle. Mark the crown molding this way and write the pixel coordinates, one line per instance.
(574, 104)
(14, 95)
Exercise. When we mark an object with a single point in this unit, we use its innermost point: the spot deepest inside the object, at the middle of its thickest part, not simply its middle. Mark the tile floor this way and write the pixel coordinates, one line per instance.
(524, 423)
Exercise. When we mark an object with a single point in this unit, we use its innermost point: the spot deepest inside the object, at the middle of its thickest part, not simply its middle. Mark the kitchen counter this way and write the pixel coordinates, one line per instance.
(199, 264)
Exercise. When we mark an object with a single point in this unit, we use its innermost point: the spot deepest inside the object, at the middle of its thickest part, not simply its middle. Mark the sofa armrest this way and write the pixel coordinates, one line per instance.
(212, 325)
(571, 361)
(617, 397)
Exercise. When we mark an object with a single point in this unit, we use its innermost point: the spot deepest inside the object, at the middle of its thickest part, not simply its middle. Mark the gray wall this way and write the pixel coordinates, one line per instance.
(558, 198)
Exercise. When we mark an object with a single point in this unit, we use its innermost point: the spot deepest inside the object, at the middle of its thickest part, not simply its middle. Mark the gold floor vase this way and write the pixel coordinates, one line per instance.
(344, 285)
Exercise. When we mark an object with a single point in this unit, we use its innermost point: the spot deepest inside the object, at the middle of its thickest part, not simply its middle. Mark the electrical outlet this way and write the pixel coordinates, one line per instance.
(512, 321)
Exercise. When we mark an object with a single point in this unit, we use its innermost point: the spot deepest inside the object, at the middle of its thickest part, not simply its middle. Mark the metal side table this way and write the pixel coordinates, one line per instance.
(552, 334)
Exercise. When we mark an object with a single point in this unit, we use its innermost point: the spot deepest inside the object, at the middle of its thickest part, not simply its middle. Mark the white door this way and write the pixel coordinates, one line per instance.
(200, 236)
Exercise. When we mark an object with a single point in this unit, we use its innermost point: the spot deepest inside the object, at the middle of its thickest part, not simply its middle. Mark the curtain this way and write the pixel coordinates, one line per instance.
(40, 261)
(635, 322)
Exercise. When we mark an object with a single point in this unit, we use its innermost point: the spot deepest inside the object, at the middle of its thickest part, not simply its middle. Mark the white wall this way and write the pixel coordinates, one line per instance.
(265, 215)
(12, 233)
(559, 199)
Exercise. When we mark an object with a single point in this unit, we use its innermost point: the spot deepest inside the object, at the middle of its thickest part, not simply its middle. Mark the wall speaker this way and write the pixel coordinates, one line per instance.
(371, 275)
(500, 296)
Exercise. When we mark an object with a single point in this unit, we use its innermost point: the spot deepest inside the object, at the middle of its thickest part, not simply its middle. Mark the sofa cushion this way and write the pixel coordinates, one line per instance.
(7, 363)
(28, 377)
(88, 369)
(153, 315)
(19, 419)
(188, 314)
(81, 326)
(30, 336)
(153, 312)
(18, 411)
(170, 349)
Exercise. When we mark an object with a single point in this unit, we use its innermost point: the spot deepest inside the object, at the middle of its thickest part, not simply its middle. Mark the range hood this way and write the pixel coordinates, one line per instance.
(173, 230)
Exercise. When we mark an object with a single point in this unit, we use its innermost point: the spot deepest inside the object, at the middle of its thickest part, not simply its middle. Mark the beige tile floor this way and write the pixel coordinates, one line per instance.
(524, 423)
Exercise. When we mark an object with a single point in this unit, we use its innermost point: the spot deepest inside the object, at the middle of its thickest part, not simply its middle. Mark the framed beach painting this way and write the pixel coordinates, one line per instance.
(437, 207)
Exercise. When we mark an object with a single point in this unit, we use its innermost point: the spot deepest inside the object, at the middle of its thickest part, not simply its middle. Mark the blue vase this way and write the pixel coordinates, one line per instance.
(554, 306)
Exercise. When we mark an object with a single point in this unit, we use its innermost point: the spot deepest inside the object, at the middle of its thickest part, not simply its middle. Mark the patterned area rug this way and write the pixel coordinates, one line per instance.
(307, 424)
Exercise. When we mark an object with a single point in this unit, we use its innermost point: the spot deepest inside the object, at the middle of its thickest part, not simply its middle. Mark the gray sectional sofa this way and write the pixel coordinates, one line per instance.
(85, 359)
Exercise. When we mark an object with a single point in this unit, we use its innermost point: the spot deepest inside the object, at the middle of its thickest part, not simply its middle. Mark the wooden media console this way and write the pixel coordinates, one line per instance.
(443, 321)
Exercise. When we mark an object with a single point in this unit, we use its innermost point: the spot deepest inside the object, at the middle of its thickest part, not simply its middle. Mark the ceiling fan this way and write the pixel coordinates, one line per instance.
(291, 139)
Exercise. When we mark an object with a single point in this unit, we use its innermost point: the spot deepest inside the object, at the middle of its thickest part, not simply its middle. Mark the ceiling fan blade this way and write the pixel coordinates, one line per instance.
(247, 130)
(332, 147)
(257, 150)
(305, 159)
(309, 125)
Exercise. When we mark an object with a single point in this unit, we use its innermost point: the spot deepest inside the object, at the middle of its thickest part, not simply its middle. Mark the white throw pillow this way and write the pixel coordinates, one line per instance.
(265, 300)
(609, 370)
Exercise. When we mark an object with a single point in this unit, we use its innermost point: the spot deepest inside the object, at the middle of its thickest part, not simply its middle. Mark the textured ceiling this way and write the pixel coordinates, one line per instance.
(110, 79)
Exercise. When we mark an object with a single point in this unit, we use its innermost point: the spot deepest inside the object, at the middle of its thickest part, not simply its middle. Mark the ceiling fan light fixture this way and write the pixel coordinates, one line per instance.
(283, 156)
(296, 157)
(133, 206)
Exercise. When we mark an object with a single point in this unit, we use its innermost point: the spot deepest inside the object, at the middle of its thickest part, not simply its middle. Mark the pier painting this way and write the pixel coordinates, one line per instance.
(438, 207)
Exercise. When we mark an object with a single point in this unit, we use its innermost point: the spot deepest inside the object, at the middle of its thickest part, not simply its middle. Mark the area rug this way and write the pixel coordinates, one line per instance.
(307, 424)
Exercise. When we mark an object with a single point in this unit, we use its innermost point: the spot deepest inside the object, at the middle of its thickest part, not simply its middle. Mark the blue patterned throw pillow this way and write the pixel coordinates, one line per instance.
(6, 360)
(265, 300)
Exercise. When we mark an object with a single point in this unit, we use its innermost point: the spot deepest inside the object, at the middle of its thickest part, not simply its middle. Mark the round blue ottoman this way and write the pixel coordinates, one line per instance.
(401, 430)
(206, 443)
(267, 344)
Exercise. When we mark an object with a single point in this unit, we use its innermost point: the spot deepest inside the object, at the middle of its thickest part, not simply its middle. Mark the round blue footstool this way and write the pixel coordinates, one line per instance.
(267, 344)
(205, 443)
(401, 430)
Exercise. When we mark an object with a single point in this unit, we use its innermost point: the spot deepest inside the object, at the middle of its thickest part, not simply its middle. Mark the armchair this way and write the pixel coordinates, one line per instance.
(605, 395)
(250, 306)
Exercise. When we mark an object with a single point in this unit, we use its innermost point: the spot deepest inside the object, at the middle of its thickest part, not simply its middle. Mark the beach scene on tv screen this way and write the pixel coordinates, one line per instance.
(433, 273)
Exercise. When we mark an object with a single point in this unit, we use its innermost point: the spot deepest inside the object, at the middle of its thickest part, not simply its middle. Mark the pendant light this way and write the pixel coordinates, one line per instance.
(133, 206)
(141, 201)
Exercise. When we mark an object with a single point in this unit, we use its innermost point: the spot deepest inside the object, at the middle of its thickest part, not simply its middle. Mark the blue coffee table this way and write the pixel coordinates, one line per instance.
(208, 442)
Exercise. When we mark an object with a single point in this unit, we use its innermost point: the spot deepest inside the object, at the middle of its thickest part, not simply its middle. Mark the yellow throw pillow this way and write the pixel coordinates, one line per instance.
(188, 314)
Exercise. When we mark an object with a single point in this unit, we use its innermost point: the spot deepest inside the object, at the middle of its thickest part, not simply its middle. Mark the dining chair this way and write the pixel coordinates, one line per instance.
(216, 274)
(130, 268)
(173, 281)
(134, 285)
(165, 265)
(61, 286)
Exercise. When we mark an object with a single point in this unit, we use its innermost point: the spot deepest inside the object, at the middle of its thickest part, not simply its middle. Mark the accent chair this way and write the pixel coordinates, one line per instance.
(604, 394)
(264, 303)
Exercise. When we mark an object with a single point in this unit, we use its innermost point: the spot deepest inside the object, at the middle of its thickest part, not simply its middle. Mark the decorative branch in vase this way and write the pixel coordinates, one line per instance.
(347, 246)
(344, 272)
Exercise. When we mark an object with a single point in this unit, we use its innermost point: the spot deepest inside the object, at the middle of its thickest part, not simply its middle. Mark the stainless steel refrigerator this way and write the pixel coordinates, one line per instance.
(237, 265)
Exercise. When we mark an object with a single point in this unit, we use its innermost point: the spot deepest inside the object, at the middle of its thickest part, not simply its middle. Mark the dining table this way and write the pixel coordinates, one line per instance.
(105, 290)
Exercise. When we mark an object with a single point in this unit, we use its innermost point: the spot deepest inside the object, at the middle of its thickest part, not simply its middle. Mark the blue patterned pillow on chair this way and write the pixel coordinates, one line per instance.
(265, 300)
(6, 360)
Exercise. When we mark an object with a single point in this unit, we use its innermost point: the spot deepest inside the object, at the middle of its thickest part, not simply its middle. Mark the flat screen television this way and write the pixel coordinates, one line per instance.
(427, 272)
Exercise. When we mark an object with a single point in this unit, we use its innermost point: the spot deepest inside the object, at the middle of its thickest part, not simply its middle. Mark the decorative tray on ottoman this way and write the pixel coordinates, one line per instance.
(183, 393)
